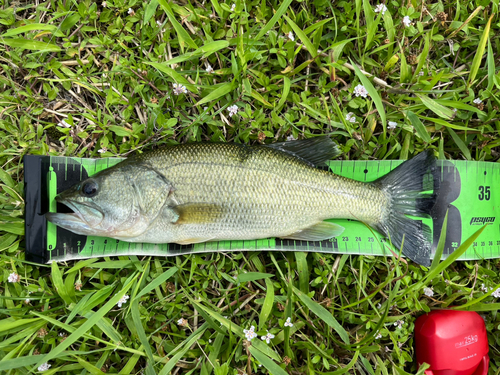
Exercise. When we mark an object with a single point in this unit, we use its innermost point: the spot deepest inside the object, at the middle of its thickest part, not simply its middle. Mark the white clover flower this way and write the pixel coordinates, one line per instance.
(209, 68)
(267, 338)
(360, 90)
(232, 110)
(477, 101)
(496, 293)
(179, 89)
(391, 125)
(43, 367)
(102, 150)
(428, 292)
(350, 117)
(123, 300)
(14, 278)
(131, 11)
(27, 300)
(182, 322)
(250, 333)
(485, 288)
(421, 73)
(378, 336)
(290, 36)
(406, 21)
(399, 323)
(290, 138)
(104, 5)
(381, 8)
(288, 322)
(233, 7)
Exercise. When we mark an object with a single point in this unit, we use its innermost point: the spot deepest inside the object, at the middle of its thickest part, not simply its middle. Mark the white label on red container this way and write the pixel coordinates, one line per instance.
(468, 340)
(468, 357)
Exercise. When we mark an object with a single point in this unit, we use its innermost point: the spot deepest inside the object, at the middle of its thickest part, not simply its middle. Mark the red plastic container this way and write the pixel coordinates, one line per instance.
(452, 342)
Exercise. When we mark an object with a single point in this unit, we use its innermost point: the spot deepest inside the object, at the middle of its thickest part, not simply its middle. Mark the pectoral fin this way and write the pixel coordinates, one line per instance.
(318, 232)
(198, 213)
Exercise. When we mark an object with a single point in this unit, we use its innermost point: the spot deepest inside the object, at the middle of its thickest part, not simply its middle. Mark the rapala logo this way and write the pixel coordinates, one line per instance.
(481, 220)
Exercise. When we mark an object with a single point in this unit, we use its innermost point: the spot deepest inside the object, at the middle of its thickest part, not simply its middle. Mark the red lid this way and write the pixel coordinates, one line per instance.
(452, 342)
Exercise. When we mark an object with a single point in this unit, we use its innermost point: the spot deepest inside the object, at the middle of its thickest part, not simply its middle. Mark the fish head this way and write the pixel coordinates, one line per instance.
(103, 205)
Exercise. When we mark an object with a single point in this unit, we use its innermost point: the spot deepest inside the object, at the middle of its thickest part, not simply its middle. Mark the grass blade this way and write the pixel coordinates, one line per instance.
(157, 281)
(150, 11)
(28, 28)
(21, 362)
(182, 34)
(377, 100)
(419, 127)
(204, 51)
(267, 307)
(59, 284)
(491, 66)
(219, 92)
(136, 317)
(267, 362)
(31, 45)
(423, 56)
(461, 145)
(303, 37)
(303, 270)
(252, 276)
(478, 57)
(192, 339)
(85, 327)
(435, 107)
(459, 105)
(323, 314)
(440, 246)
(279, 13)
(177, 77)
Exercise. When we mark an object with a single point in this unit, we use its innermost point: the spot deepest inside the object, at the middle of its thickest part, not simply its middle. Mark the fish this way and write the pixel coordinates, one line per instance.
(199, 192)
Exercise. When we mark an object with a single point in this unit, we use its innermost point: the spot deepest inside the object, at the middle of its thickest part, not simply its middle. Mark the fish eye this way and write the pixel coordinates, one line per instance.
(89, 189)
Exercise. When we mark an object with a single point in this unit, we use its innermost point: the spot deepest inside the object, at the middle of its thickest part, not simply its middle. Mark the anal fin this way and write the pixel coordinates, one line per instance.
(189, 241)
(317, 232)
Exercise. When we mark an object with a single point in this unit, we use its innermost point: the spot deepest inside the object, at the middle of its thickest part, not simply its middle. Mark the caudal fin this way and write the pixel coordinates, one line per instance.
(404, 185)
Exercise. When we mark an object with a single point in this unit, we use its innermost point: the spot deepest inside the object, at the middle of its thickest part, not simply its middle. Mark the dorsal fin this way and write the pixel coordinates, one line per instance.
(315, 151)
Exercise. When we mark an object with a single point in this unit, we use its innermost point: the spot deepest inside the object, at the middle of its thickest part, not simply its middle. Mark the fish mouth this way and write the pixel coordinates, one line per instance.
(84, 219)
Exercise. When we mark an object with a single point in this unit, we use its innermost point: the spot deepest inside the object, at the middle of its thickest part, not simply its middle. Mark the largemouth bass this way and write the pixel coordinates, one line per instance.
(201, 192)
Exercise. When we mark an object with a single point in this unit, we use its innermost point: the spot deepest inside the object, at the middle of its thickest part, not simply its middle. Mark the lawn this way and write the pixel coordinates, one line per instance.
(384, 81)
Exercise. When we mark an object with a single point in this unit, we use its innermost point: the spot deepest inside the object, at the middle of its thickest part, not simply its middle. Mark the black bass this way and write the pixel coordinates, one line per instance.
(201, 192)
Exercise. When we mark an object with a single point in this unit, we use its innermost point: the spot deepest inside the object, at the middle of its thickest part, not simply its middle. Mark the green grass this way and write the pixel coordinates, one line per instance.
(109, 73)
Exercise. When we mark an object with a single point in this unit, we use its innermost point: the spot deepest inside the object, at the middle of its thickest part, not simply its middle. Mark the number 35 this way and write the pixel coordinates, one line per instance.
(484, 193)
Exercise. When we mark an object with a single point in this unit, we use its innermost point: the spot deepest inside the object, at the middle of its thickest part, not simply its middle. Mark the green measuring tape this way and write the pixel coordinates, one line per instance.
(466, 191)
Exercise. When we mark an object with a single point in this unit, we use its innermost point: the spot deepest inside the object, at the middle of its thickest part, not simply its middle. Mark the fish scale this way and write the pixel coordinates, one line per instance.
(263, 192)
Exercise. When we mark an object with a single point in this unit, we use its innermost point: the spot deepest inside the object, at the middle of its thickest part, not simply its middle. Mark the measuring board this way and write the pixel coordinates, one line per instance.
(466, 190)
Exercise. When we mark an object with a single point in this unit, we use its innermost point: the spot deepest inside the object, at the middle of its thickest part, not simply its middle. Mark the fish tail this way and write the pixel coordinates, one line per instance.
(404, 185)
